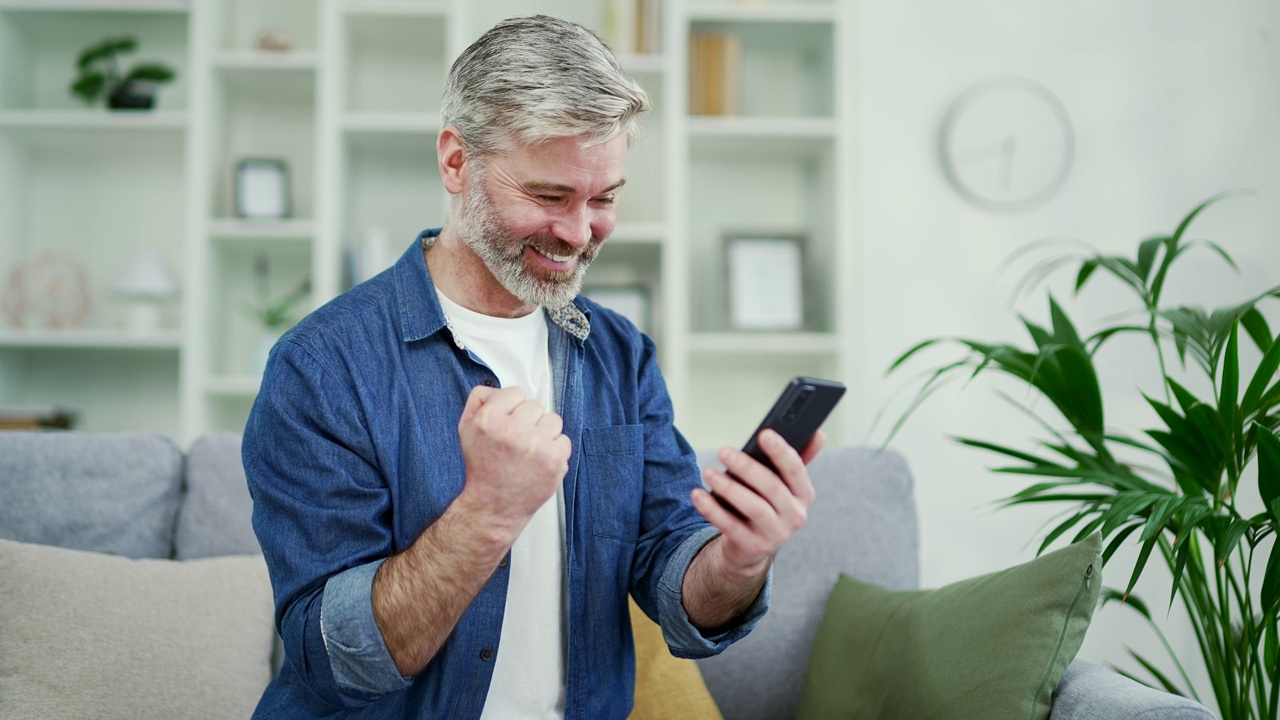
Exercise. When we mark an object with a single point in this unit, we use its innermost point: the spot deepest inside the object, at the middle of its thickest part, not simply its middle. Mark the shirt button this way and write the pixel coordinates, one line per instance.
(486, 654)
(504, 561)
(488, 382)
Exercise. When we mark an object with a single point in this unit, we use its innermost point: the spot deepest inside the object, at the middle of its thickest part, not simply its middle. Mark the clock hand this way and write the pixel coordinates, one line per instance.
(1007, 150)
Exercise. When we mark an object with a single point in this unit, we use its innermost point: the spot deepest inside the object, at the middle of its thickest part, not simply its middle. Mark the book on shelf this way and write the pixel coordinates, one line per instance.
(633, 27)
(715, 73)
(41, 417)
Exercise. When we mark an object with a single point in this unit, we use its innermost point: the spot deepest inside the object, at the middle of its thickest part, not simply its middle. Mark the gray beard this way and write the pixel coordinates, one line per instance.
(479, 229)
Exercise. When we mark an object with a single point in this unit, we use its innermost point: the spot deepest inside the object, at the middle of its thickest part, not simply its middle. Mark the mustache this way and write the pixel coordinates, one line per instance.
(551, 245)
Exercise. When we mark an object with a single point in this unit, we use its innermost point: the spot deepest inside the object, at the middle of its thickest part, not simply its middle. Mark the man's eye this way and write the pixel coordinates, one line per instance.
(549, 198)
(609, 200)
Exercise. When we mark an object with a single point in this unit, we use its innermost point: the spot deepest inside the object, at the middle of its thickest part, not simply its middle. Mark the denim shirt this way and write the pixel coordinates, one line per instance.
(352, 450)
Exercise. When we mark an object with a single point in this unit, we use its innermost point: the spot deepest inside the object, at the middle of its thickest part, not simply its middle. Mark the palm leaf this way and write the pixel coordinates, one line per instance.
(1256, 325)
(1271, 582)
(1267, 368)
(1143, 555)
(1229, 539)
(1269, 470)
(1230, 390)
(1160, 677)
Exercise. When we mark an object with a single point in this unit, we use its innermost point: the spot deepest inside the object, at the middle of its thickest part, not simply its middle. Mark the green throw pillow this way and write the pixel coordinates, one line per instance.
(991, 647)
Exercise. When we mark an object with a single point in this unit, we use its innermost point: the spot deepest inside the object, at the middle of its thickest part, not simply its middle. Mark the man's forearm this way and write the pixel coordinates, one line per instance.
(420, 594)
(713, 594)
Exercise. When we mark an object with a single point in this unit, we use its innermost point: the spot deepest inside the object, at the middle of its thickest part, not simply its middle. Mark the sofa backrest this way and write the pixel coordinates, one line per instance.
(106, 492)
(216, 517)
(863, 523)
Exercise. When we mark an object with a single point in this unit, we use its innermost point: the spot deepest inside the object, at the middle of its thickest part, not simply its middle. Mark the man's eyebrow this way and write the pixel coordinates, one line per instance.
(537, 186)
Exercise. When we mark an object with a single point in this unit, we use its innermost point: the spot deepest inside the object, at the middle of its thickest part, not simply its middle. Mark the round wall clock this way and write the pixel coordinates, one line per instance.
(1007, 144)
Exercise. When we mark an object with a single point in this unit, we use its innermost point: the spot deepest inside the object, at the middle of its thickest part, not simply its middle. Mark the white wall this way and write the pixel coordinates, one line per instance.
(1172, 101)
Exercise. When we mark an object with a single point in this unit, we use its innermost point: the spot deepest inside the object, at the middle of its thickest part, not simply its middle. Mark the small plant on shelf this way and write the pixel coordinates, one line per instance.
(100, 75)
(276, 314)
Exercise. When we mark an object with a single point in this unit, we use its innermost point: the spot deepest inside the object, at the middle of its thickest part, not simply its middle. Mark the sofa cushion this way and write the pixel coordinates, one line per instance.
(216, 517)
(108, 492)
(991, 647)
(1092, 692)
(666, 686)
(92, 635)
(863, 523)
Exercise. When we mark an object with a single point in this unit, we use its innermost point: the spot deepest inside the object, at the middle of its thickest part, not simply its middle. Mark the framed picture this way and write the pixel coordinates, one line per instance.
(262, 189)
(630, 301)
(765, 280)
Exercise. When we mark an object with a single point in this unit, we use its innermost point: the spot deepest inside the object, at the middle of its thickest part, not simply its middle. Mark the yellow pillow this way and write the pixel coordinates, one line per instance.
(667, 687)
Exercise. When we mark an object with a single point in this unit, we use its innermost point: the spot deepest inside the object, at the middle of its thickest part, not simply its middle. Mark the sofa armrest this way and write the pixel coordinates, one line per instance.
(1092, 692)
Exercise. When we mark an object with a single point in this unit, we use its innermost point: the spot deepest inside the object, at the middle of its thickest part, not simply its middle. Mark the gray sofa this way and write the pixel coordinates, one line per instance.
(140, 496)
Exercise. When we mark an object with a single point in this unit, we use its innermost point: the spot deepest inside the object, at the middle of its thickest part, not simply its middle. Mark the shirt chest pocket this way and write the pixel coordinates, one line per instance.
(613, 471)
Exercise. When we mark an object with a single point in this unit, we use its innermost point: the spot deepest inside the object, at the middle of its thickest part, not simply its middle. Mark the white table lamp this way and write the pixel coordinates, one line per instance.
(146, 282)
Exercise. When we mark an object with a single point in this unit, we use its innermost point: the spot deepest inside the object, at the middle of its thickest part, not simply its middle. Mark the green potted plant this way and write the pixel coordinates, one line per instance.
(274, 314)
(1172, 490)
(99, 74)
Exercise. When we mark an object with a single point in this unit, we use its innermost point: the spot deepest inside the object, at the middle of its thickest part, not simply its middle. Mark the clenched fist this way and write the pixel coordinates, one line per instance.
(515, 454)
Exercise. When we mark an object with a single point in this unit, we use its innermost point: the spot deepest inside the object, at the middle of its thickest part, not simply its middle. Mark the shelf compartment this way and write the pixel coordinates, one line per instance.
(264, 114)
(396, 62)
(784, 63)
(790, 196)
(241, 22)
(38, 51)
(96, 197)
(108, 386)
(234, 276)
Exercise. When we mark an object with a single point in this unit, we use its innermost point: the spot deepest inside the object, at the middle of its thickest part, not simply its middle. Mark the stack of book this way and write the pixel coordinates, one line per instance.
(44, 417)
(634, 27)
(715, 73)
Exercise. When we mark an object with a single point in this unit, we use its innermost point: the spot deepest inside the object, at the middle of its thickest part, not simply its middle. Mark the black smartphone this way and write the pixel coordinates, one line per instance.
(796, 415)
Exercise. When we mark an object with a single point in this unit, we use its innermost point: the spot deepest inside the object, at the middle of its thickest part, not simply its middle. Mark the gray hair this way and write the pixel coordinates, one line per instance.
(531, 79)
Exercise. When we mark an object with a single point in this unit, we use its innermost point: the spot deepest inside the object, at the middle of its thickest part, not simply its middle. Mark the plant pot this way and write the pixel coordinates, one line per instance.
(133, 96)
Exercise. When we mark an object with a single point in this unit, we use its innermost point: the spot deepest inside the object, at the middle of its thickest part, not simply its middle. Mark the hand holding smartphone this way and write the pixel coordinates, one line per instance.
(797, 414)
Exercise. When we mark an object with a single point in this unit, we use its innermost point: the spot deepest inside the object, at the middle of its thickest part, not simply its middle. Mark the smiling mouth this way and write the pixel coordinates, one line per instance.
(552, 256)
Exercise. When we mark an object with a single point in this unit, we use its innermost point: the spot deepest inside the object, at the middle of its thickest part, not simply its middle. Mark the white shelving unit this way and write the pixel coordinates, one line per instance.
(353, 108)
(94, 187)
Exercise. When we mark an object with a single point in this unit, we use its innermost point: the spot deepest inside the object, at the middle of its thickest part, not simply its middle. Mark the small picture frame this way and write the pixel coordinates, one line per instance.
(765, 280)
(262, 189)
(634, 302)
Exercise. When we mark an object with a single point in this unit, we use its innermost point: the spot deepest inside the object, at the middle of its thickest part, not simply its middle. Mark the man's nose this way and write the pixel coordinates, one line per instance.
(574, 226)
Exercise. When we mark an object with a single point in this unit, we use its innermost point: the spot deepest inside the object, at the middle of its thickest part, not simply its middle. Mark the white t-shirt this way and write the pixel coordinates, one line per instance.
(528, 674)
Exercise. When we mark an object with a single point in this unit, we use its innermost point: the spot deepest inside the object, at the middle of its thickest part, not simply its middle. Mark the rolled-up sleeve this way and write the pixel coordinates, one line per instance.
(685, 640)
(355, 646)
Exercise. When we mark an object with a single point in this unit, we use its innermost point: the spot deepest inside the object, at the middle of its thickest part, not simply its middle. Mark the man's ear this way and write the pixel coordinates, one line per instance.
(451, 156)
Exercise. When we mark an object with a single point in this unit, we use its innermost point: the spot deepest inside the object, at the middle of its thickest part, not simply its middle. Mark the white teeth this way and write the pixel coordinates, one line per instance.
(556, 258)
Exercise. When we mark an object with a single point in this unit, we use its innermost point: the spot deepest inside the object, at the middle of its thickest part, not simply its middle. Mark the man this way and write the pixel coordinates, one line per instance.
(460, 469)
